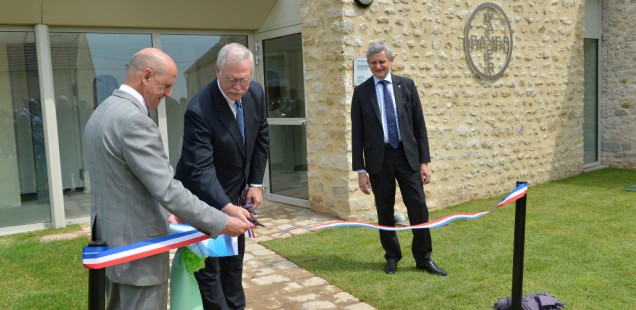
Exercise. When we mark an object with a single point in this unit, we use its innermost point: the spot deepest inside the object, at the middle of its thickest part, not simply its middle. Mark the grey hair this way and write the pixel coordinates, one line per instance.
(232, 53)
(377, 47)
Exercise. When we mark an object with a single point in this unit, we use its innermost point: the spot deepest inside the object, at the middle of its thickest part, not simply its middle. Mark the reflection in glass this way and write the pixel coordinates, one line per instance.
(195, 56)
(590, 121)
(284, 79)
(288, 161)
(24, 196)
(87, 67)
(284, 88)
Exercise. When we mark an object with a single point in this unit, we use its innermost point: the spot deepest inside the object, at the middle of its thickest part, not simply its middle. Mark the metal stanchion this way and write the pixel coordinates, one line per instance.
(97, 283)
(517, 259)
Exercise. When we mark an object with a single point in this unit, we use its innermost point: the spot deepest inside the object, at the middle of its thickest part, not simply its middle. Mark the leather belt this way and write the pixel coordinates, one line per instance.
(388, 146)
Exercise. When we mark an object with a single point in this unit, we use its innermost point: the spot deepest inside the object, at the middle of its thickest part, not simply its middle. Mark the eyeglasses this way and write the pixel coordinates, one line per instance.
(243, 82)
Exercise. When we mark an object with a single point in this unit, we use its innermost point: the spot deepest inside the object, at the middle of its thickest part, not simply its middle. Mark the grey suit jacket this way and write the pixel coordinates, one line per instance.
(133, 189)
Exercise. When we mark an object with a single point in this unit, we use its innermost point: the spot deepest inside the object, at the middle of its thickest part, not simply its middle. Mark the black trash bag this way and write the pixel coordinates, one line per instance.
(542, 301)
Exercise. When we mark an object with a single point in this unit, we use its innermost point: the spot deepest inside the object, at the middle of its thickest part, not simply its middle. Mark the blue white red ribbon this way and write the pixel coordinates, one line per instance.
(102, 257)
(182, 235)
(520, 191)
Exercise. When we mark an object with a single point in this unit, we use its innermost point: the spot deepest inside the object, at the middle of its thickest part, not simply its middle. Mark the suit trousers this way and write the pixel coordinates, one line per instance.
(396, 167)
(221, 281)
(123, 296)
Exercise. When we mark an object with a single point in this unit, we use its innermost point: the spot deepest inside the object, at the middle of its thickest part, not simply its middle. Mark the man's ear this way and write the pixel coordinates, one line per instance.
(146, 75)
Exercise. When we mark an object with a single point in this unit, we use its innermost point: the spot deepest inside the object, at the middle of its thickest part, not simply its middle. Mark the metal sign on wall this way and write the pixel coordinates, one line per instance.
(488, 41)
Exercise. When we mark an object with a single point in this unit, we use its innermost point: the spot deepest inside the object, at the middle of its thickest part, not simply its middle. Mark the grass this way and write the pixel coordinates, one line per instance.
(36, 275)
(579, 247)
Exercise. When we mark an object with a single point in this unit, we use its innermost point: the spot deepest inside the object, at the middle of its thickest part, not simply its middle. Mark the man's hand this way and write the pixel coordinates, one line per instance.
(235, 227)
(364, 183)
(173, 219)
(238, 212)
(255, 194)
(425, 173)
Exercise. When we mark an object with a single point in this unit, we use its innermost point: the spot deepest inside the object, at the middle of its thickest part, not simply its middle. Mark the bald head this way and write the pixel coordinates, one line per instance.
(151, 58)
(152, 73)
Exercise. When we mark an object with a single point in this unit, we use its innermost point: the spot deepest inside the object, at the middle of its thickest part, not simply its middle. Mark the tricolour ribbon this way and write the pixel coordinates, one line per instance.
(520, 191)
(102, 257)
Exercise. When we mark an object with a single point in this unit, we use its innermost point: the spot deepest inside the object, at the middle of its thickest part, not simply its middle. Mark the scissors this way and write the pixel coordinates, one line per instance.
(248, 205)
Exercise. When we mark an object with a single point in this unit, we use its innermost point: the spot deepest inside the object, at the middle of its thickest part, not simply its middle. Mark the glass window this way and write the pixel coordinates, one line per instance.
(590, 121)
(24, 196)
(195, 56)
(87, 67)
(284, 77)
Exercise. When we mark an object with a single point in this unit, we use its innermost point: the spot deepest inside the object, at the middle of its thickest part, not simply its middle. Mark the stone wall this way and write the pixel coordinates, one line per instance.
(618, 90)
(484, 135)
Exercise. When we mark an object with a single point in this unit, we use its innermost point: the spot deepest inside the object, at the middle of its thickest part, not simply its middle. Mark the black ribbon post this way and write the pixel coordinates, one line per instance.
(517, 258)
(97, 283)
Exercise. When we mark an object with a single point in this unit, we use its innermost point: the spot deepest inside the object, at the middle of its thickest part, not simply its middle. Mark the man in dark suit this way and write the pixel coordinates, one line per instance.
(389, 143)
(133, 185)
(225, 145)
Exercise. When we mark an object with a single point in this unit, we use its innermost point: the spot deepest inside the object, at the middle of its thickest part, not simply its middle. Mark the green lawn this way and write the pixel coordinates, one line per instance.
(580, 247)
(35, 275)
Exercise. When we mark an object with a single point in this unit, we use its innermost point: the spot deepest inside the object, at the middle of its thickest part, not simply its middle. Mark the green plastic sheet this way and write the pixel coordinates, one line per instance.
(184, 290)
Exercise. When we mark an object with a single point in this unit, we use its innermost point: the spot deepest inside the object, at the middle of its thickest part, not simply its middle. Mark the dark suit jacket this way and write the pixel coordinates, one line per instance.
(367, 135)
(214, 163)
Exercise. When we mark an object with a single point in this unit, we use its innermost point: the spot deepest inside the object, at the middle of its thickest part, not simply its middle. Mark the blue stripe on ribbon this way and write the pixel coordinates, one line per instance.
(89, 255)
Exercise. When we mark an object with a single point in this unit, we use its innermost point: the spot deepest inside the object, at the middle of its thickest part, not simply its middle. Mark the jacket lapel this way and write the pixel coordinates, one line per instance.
(398, 93)
(226, 117)
(374, 98)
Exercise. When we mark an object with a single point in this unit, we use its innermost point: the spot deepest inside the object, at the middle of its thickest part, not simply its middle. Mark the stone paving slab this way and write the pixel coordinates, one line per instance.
(272, 282)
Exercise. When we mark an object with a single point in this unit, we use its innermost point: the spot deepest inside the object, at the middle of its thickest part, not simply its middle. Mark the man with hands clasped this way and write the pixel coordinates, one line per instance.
(389, 144)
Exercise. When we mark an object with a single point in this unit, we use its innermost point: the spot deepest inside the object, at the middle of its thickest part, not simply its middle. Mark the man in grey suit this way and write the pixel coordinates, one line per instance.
(134, 191)
(389, 143)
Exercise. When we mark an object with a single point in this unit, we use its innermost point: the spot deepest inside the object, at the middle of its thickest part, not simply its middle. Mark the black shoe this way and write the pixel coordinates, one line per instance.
(391, 266)
(430, 267)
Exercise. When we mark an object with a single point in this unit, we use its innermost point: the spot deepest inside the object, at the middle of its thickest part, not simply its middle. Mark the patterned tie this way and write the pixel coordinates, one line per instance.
(239, 118)
(389, 111)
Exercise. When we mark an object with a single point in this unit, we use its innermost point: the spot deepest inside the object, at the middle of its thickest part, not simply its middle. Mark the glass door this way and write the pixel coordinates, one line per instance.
(283, 80)
(24, 184)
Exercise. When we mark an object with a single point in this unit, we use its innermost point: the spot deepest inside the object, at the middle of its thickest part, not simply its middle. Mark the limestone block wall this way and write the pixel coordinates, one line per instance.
(484, 135)
(618, 84)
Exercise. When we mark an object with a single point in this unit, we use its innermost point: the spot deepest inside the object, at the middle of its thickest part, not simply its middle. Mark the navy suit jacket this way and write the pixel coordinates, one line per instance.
(215, 164)
(367, 135)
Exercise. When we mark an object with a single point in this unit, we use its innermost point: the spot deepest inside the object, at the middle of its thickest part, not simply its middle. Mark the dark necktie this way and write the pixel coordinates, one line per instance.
(389, 111)
(239, 118)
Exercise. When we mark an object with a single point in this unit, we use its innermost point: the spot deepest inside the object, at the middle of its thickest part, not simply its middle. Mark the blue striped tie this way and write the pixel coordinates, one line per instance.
(389, 111)
(239, 118)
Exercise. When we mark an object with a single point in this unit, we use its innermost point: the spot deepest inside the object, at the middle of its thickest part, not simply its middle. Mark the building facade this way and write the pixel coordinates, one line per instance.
(560, 104)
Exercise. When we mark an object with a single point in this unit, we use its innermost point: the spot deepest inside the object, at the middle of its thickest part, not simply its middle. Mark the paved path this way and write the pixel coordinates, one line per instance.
(272, 282)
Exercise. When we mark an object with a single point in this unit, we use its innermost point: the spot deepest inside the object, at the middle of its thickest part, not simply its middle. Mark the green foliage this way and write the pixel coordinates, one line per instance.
(579, 247)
